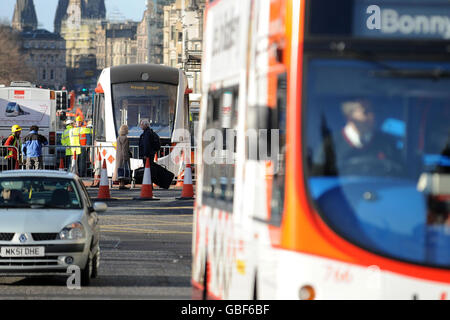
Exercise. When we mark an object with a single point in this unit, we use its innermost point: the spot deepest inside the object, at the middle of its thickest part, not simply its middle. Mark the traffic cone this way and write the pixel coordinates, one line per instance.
(61, 165)
(74, 167)
(180, 179)
(146, 188)
(97, 170)
(103, 191)
(188, 189)
(155, 159)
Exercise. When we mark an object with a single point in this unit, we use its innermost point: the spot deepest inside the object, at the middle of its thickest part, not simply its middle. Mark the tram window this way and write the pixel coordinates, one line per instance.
(154, 102)
(99, 124)
(218, 183)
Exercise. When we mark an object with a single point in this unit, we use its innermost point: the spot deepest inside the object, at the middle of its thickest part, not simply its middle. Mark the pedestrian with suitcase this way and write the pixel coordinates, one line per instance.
(149, 145)
(122, 172)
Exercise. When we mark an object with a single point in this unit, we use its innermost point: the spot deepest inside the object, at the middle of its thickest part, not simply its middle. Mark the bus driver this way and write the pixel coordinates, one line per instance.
(359, 148)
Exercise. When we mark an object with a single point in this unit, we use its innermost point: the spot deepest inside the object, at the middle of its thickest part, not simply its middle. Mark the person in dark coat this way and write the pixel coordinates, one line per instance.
(145, 149)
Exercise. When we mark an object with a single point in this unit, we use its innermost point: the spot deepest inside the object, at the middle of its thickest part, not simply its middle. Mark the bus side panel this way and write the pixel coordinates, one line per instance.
(331, 279)
(224, 66)
(26, 107)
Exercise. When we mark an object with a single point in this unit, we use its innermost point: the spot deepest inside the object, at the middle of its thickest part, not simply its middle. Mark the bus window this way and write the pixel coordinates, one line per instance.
(279, 122)
(218, 180)
(155, 102)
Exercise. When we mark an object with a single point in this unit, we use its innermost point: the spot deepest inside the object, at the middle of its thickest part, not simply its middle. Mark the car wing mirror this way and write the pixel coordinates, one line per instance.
(99, 207)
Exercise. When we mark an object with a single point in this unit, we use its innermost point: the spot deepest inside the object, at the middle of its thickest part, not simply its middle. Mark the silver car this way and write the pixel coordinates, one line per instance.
(47, 224)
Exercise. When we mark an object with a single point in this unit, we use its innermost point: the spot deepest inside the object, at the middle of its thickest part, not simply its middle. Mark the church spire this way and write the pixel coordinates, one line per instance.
(24, 15)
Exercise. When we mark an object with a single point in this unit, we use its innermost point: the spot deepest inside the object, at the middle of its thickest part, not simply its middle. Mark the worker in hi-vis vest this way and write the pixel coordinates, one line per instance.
(74, 136)
(65, 141)
(86, 142)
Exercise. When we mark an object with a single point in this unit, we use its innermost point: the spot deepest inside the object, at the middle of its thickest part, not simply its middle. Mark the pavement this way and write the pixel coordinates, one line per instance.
(145, 253)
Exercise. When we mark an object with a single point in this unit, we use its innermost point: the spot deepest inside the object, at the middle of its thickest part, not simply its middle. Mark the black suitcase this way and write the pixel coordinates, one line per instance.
(161, 176)
(138, 175)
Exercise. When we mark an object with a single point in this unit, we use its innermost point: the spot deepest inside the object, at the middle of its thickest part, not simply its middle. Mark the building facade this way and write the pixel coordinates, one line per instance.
(150, 32)
(116, 44)
(46, 54)
(183, 38)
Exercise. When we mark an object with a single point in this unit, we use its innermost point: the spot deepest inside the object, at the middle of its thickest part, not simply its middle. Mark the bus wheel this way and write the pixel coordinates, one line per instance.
(255, 287)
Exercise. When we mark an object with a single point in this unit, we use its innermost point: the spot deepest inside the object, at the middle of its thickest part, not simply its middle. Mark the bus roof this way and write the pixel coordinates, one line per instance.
(135, 73)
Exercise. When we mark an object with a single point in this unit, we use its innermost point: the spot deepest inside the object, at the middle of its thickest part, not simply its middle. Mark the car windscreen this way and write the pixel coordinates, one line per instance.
(378, 154)
(151, 101)
(39, 192)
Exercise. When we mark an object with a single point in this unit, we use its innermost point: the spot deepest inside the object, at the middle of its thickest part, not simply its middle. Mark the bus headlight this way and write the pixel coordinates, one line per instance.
(73, 231)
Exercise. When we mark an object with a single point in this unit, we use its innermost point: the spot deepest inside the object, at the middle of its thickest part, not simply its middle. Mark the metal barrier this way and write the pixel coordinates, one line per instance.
(90, 160)
(4, 163)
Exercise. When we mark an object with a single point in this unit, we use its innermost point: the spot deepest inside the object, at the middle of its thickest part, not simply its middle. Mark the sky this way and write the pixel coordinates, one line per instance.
(45, 10)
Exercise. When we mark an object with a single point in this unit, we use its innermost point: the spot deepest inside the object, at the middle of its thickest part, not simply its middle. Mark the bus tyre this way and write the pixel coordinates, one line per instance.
(205, 282)
(255, 287)
(86, 273)
(95, 264)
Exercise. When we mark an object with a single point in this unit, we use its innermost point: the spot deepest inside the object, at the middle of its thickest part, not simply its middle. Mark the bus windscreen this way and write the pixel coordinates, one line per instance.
(155, 102)
(378, 154)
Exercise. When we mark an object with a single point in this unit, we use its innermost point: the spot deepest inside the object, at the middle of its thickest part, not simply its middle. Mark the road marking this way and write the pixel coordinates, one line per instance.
(152, 208)
(143, 218)
(147, 224)
(134, 230)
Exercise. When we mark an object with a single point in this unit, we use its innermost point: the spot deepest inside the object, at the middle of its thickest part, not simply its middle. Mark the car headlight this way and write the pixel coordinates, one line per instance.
(73, 231)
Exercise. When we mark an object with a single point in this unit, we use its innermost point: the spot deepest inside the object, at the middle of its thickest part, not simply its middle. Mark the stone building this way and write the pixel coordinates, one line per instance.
(183, 38)
(116, 44)
(46, 54)
(24, 17)
(79, 30)
(150, 35)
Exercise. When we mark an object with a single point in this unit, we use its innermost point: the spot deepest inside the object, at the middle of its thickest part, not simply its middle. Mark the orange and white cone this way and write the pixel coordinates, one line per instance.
(146, 188)
(74, 167)
(61, 165)
(188, 189)
(155, 160)
(103, 191)
(180, 179)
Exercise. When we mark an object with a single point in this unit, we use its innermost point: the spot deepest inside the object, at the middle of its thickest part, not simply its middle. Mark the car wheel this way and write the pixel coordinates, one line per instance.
(95, 264)
(86, 273)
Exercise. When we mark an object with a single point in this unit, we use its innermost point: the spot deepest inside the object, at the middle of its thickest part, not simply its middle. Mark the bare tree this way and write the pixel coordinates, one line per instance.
(13, 62)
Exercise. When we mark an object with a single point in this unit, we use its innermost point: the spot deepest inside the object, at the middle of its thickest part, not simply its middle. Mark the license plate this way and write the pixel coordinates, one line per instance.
(10, 252)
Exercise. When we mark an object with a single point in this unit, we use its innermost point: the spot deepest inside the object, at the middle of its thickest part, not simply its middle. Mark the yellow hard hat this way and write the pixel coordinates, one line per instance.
(16, 128)
(79, 118)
